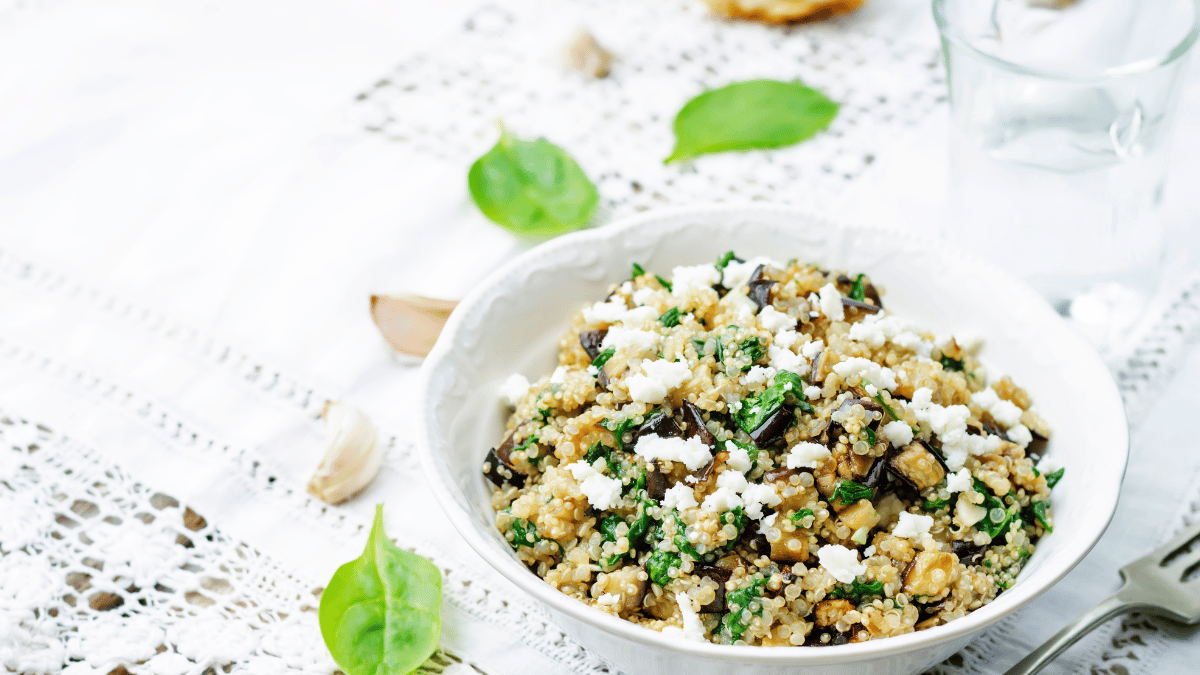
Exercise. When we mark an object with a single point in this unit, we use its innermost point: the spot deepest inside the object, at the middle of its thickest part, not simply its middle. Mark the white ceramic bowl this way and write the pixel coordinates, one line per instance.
(513, 320)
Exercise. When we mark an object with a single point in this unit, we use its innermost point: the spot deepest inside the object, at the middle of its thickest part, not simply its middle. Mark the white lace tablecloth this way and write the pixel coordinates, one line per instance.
(196, 202)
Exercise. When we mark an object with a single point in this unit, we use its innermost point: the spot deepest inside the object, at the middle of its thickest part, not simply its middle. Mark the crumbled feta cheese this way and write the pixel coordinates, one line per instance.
(786, 338)
(602, 492)
(609, 311)
(915, 343)
(841, 562)
(721, 500)
(868, 371)
(593, 370)
(756, 496)
(969, 513)
(1020, 435)
(640, 317)
(1006, 413)
(693, 628)
(959, 482)
(912, 526)
(514, 389)
(739, 458)
(811, 349)
(691, 452)
(781, 358)
(898, 433)
(812, 392)
(732, 480)
(627, 287)
(657, 379)
(558, 376)
(641, 295)
(608, 600)
(806, 455)
(775, 320)
(872, 390)
(950, 426)
(877, 329)
(632, 341)
(831, 303)
(679, 497)
(1047, 464)
(683, 279)
(758, 375)
(738, 274)
(869, 551)
(744, 306)
(767, 523)
(872, 330)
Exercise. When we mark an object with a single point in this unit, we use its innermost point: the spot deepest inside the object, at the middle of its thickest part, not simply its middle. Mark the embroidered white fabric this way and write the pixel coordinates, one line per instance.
(152, 514)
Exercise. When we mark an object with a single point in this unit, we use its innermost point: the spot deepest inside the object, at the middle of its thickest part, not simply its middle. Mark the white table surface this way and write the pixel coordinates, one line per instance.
(192, 158)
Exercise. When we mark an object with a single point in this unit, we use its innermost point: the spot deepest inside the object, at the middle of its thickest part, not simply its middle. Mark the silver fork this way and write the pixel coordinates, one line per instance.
(1162, 584)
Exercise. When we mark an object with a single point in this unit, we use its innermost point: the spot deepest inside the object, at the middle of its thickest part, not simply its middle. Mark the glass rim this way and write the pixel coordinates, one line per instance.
(951, 35)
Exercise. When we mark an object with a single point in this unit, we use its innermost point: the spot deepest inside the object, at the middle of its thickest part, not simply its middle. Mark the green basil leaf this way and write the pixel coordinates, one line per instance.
(382, 613)
(751, 114)
(532, 187)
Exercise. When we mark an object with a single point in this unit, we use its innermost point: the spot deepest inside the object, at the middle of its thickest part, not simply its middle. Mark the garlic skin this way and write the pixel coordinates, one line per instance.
(352, 454)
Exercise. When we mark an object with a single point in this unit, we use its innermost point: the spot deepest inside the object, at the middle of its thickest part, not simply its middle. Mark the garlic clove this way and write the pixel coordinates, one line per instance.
(586, 55)
(410, 323)
(352, 454)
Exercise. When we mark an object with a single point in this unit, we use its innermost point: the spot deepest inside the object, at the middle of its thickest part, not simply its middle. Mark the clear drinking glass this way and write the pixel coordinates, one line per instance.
(1062, 113)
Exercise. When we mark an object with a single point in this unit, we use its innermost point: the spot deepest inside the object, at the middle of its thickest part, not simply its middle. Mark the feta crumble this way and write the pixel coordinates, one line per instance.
(811, 349)
(950, 425)
(630, 340)
(758, 375)
(606, 311)
(738, 274)
(657, 379)
(721, 500)
(812, 392)
(912, 526)
(775, 320)
(732, 480)
(514, 389)
(691, 452)
(679, 497)
(841, 562)
(683, 279)
(756, 496)
(785, 359)
(898, 433)
(641, 295)
(959, 482)
(767, 523)
(693, 628)
(806, 455)
(558, 376)
(739, 458)
(608, 600)
(868, 371)
(602, 492)
(831, 303)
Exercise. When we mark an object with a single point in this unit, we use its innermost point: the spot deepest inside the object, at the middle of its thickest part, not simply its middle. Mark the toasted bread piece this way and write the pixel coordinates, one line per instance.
(781, 11)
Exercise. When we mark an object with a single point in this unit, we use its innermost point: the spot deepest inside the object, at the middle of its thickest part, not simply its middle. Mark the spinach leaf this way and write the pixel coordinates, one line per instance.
(891, 413)
(618, 430)
(800, 515)
(637, 271)
(738, 601)
(952, 364)
(753, 349)
(756, 409)
(659, 565)
(750, 114)
(608, 528)
(934, 505)
(849, 492)
(597, 451)
(857, 590)
(857, 292)
(670, 318)
(603, 357)
(1037, 511)
(870, 435)
(382, 613)
(1053, 478)
(532, 187)
(999, 517)
(738, 518)
(725, 259)
(665, 284)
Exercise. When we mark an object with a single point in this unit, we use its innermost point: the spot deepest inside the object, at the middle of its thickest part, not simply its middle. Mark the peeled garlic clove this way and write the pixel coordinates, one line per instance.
(352, 454)
(410, 323)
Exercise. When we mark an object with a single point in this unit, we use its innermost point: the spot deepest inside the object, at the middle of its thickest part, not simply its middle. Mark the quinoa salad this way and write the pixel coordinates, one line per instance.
(755, 452)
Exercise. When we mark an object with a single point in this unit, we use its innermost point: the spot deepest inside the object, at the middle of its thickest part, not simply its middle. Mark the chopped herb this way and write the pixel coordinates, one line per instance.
(525, 445)
(526, 534)
(987, 563)
(753, 350)
(999, 517)
(870, 435)
(641, 524)
(891, 413)
(608, 528)
(543, 414)
(952, 364)
(670, 318)
(756, 409)
(857, 292)
(848, 492)
(665, 284)
(618, 430)
(805, 406)
(725, 259)
(659, 565)
(933, 505)
(856, 591)
(1053, 478)
(800, 515)
(738, 519)
(637, 271)
(603, 357)
(681, 540)
(732, 624)
(597, 451)
(1035, 471)
(699, 346)
(1037, 511)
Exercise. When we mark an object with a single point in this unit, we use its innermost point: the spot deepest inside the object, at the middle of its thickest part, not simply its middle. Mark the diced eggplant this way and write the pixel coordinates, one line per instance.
(718, 575)
(817, 375)
(833, 430)
(864, 307)
(591, 340)
(918, 466)
(828, 612)
(694, 418)
(791, 546)
(877, 475)
(1040, 432)
(969, 553)
(656, 484)
(640, 600)
(760, 292)
(498, 467)
(929, 574)
(660, 424)
(994, 429)
(869, 291)
(779, 474)
(602, 379)
(835, 638)
(758, 543)
(773, 428)
(859, 515)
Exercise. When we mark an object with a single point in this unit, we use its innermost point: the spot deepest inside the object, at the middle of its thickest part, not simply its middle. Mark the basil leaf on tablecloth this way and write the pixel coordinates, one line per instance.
(748, 115)
(532, 187)
(382, 613)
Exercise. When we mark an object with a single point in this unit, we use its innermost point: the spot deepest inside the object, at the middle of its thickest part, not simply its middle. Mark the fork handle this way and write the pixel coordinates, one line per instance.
(1068, 636)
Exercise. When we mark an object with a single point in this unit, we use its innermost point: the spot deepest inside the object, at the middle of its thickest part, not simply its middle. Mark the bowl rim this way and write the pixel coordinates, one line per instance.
(508, 566)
